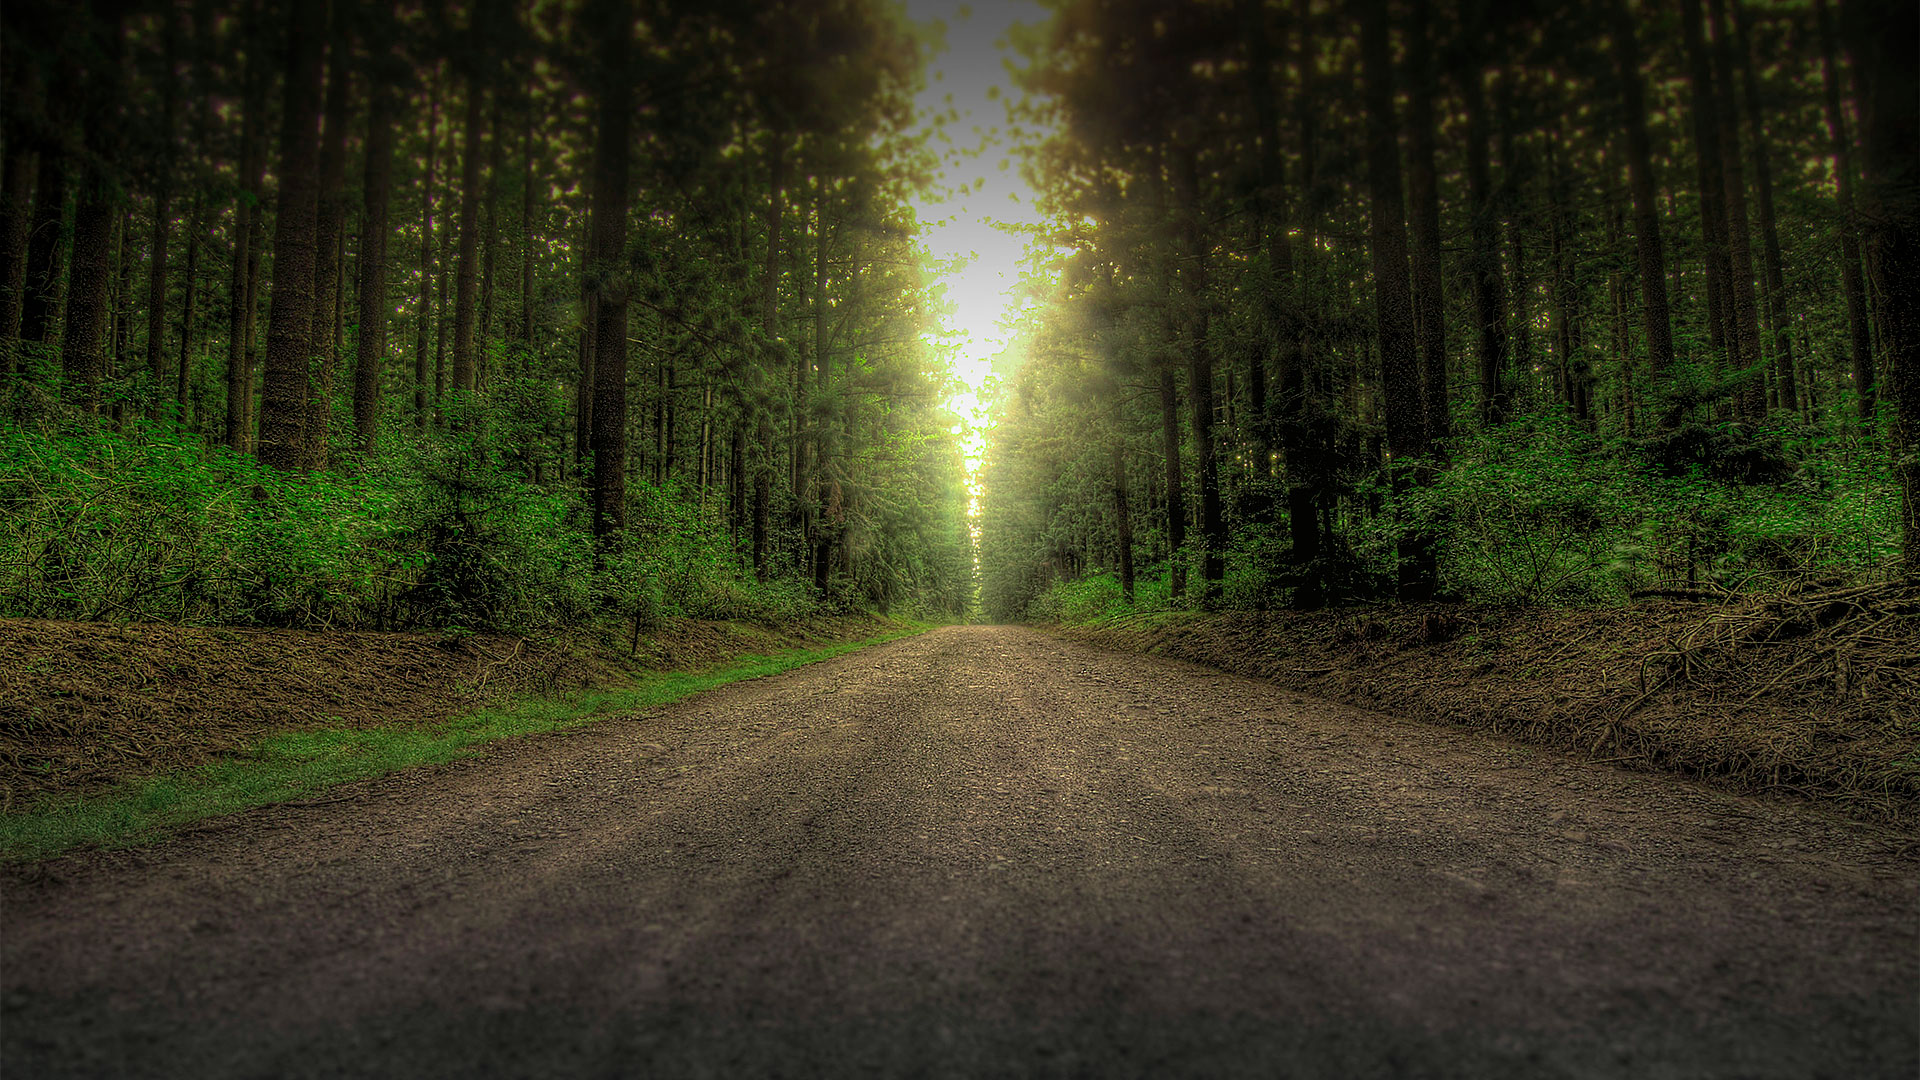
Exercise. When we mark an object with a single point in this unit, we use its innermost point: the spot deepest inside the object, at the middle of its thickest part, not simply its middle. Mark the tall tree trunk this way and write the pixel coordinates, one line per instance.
(376, 195)
(1193, 279)
(329, 273)
(823, 525)
(583, 387)
(162, 220)
(1619, 339)
(1483, 256)
(610, 173)
(1271, 223)
(1516, 174)
(247, 229)
(1750, 395)
(424, 320)
(1176, 500)
(16, 214)
(82, 359)
(1773, 277)
(526, 233)
(489, 241)
(1296, 381)
(189, 298)
(1423, 190)
(467, 272)
(769, 329)
(290, 313)
(1711, 165)
(121, 318)
(1881, 37)
(1393, 290)
(1859, 326)
(43, 272)
(1560, 288)
(1122, 499)
(1655, 317)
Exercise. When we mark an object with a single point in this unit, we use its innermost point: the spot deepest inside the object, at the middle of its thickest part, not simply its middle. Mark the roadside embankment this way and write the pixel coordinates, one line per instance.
(113, 733)
(1812, 695)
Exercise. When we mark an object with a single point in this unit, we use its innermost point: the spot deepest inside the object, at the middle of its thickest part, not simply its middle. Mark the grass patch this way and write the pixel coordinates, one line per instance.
(294, 764)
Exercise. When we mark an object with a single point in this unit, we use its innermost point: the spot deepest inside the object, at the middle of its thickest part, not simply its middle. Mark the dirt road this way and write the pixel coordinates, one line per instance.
(984, 851)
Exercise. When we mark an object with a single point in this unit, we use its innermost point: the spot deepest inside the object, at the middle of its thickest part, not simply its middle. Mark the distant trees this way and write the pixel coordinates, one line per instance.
(1450, 217)
(584, 227)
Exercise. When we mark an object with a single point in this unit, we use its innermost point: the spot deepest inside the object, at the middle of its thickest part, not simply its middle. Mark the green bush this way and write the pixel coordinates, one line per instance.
(148, 524)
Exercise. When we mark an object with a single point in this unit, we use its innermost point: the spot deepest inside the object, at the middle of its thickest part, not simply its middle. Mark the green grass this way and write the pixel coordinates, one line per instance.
(299, 763)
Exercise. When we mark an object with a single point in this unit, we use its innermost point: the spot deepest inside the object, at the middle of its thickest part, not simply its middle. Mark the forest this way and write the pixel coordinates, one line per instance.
(492, 315)
(1517, 303)
(517, 314)
(1056, 538)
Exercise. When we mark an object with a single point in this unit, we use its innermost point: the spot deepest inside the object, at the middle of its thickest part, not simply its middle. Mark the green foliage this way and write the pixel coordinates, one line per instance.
(1541, 512)
(148, 524)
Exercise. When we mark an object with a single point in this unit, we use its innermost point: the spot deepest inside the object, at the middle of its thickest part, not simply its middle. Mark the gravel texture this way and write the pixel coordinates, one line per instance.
(984, 851)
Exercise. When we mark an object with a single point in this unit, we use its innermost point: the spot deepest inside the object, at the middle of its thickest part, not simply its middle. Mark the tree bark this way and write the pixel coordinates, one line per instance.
(1122, 501)
(1656, 319)
(424, 320)
(1193, 279)
(1773, 277)
(489, 241)
(1400, 377)
(1516, 173)
(1176, 500)
(1483, 256)
(1271, 224)
(1711, 172)
(16, 215)
(1297, 384)
(162, 221)
(1423, 190)
(189, 297)
(43, 273)
(467, 272)
(82, 356)
(526, 233)
(247, 217)
(1881, 39)
(1748, 363)
(329, 274)
(769, 329)
(607, 252)
(376, 195)
(290, 313)
(1859, 325)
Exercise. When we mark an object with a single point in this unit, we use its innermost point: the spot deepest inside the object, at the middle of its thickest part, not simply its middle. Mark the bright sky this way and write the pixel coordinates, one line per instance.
(980, 189)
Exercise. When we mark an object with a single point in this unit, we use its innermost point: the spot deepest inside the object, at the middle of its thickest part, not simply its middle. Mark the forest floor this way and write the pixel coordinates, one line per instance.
(87, 706)
(984, 851)
(1814, 696)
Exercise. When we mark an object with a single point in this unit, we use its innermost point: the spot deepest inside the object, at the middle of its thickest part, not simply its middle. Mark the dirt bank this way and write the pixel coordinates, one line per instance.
(86, 705)
(1813, 696)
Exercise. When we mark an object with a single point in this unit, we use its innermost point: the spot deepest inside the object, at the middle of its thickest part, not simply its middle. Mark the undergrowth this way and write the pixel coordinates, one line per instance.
(1543, 513)
(148, 524)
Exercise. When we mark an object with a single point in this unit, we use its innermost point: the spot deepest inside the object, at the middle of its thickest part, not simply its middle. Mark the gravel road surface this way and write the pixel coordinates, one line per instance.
(983, 851)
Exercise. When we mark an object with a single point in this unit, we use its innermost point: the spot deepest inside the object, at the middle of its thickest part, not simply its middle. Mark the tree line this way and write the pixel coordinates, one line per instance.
(634, 242)
(1330, 265)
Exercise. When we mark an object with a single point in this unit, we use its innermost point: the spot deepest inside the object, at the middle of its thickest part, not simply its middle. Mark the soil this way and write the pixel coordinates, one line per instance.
(985, 851)
(84, 706)
(1814, 696)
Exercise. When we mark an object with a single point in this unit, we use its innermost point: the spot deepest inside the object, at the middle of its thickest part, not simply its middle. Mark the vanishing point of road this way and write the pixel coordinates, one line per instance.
(983, 851)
